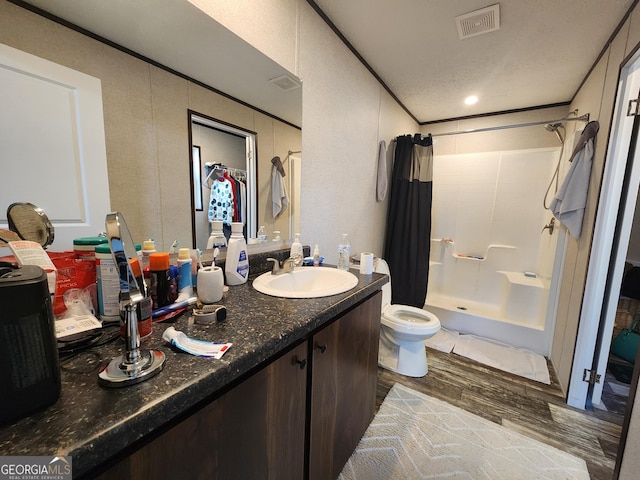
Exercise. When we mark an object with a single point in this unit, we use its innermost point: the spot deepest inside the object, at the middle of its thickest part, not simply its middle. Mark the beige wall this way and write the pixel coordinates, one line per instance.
(146, 125)
(345, 110)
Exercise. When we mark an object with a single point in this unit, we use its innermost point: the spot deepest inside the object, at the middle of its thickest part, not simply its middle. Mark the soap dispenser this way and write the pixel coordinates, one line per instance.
(296, 250)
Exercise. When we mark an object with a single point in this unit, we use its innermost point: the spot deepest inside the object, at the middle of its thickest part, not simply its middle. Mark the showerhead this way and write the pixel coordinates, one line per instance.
(555, 128)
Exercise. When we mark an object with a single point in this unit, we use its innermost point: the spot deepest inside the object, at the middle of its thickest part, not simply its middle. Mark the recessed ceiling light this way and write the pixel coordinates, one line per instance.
(470, 100)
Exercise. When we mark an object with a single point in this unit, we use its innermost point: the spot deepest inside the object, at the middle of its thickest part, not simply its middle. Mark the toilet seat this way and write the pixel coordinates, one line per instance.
(410, 320)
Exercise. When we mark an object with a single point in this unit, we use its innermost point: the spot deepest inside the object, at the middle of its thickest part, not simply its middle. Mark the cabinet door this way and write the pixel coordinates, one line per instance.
(254, 431)
(343, 392)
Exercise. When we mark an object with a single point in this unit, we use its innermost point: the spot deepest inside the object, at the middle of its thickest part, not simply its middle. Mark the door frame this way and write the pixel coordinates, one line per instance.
(609, 246)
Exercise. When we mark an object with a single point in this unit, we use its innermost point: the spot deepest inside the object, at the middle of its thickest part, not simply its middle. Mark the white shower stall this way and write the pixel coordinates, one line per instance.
(494, 268)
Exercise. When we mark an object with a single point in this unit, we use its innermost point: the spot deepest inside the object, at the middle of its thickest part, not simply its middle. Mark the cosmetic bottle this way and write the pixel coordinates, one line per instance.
(159, 273)
(185, 285)
(296, 249)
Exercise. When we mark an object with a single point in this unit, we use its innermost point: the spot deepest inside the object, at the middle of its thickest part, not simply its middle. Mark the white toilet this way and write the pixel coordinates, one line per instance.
(403, 331)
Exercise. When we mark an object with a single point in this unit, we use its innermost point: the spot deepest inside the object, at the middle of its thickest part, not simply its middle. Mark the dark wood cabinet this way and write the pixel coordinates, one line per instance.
(255, 431)
(343, 387)
(302, 415)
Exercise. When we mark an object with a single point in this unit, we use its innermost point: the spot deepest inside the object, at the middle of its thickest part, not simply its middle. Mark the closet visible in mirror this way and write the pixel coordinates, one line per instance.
(223, 167)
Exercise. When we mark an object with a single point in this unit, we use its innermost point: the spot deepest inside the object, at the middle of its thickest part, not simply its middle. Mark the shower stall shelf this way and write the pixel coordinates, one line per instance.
(474, 257)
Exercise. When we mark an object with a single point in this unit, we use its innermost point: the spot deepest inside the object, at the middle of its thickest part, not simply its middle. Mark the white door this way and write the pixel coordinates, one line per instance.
(609, 248)
(52, 145)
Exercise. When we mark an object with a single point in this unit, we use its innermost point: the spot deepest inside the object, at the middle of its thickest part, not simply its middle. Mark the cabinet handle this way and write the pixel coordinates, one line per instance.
(302, 363)
(322, 348)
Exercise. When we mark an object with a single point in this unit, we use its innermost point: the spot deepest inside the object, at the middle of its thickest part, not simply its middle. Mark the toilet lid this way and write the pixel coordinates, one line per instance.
(410, 319)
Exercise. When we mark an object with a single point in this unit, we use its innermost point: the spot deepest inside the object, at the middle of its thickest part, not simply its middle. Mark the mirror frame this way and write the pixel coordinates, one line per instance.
(251, 167)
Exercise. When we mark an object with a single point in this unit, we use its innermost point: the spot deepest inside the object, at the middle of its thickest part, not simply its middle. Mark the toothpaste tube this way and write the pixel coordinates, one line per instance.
(193, 346)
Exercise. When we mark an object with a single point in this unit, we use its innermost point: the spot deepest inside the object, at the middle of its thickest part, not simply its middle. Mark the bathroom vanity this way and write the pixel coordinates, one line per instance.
(290, 399)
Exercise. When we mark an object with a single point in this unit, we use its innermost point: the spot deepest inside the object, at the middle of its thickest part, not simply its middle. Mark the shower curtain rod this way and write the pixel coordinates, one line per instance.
(582, 118)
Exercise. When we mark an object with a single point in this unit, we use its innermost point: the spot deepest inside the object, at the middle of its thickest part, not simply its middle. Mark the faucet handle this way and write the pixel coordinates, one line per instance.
(276, 265)
(550, 226)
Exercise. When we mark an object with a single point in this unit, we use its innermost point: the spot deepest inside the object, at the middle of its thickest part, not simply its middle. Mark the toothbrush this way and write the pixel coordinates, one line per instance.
(173, 307)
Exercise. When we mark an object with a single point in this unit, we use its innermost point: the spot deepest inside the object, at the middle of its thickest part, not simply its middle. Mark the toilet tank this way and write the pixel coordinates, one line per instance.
(382, 267)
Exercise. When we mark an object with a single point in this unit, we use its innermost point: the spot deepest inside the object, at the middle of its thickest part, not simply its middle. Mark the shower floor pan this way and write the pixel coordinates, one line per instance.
(486, 320)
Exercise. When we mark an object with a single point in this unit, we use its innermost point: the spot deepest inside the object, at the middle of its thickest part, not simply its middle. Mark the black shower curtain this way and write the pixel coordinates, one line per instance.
(408, 234)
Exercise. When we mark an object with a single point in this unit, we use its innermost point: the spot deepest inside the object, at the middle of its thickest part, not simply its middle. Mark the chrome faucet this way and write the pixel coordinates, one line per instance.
(287, 265)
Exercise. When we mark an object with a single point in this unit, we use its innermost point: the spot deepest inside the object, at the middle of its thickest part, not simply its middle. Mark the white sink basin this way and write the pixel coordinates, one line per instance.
(306, 282)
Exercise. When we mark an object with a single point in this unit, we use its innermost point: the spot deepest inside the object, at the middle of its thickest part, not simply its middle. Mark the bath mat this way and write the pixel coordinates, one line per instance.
(444, 340)
(518, 361)
(414, 436)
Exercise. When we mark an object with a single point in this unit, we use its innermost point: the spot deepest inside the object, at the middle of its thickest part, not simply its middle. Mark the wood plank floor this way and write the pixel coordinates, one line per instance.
(531, 408)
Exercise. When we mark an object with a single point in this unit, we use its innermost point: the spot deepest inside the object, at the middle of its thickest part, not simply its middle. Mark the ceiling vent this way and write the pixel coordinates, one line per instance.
(478, 22)
(286, 82)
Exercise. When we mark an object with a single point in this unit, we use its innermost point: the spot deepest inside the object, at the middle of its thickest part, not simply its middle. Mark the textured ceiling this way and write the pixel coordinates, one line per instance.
(539, 56)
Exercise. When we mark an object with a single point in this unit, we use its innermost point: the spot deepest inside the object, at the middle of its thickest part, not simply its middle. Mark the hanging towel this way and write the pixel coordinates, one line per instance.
(278, 192)
(569, 202)
(381, 185)
(278, 164)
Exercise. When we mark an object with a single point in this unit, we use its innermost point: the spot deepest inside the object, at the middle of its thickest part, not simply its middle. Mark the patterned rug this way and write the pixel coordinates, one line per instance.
(414, 436)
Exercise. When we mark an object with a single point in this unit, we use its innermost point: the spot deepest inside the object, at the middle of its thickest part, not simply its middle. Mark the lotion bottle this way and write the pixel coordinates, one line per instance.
(296, 249)
(236, 266)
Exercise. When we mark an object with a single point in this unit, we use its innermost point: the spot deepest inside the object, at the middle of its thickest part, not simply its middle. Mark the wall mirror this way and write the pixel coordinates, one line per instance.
(225, 154)
(241, 88)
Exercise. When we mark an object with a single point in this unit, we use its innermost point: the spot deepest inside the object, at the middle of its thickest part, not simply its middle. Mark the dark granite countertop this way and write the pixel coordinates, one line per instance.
(92, 423)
